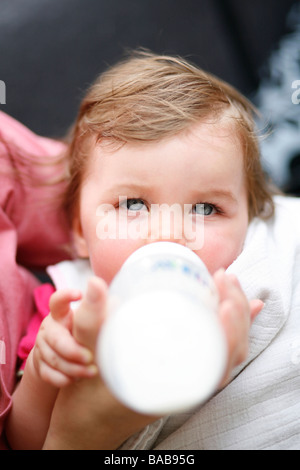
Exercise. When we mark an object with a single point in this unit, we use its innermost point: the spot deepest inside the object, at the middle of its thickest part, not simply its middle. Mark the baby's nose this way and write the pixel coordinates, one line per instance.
(173, 224)
(166, 224)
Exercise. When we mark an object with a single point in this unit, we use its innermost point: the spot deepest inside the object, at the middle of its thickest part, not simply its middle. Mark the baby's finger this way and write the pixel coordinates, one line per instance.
(70, 350)
(61, 342)
(220, 282)
(90, 314)
(50, 361)
(235, 328)
(236, 332)
(47, 373)
(60, 302)
(256, 307)
(54, 377)
(234, 280)
(229, 288)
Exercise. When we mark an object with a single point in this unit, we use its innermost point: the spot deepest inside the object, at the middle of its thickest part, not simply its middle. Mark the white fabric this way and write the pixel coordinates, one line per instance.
(260, 408)
(71, 274)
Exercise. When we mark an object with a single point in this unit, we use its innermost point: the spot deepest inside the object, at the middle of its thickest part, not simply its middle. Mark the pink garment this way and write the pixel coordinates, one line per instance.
(33, 232)
(42, 296)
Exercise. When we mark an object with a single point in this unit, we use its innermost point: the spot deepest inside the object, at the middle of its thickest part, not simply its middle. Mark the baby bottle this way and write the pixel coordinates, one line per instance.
(162, 349)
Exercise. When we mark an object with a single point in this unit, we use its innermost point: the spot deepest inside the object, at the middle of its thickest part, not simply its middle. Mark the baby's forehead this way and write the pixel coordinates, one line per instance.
(216, 140)
(225, 127)
(218, 133)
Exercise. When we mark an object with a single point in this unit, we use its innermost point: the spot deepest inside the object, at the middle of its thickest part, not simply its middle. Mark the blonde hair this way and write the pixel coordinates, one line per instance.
(149, 97)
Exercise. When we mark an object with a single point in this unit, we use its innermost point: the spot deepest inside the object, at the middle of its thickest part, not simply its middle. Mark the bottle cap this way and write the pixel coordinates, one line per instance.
(163, 248)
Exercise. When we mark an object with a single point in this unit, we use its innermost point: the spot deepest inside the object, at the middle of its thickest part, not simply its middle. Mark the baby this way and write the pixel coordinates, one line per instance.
(152, 131)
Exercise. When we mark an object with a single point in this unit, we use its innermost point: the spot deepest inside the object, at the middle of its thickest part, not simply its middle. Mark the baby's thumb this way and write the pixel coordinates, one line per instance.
(256, 307)
(90, 314)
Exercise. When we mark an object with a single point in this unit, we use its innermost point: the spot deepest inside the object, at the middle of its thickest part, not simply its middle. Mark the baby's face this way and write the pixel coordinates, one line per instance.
(189, 189)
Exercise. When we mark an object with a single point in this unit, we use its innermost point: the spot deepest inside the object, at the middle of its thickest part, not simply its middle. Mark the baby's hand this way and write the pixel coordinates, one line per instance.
(91, 398)
(236, 314)
(57, 357)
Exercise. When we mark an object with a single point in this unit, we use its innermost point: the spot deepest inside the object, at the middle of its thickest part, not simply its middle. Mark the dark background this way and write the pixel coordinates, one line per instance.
(51, 50)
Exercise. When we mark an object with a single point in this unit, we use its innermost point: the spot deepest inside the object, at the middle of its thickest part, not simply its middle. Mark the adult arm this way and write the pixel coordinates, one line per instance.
(32, 234)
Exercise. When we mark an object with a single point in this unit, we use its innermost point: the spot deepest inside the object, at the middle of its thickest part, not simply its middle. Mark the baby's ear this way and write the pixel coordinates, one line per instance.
(79, 240)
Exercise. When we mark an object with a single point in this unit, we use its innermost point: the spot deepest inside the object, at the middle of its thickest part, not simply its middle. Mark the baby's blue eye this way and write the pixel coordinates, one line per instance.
(204, 209)
(135, 204)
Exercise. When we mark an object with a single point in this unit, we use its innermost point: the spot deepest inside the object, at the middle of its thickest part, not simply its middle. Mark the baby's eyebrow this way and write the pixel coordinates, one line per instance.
(141, 189)
(224, 194)
(124, 189)
(216, 194)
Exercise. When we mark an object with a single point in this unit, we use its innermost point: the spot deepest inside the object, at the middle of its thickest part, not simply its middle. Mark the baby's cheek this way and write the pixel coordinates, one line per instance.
(218, 254)
(108, 257)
